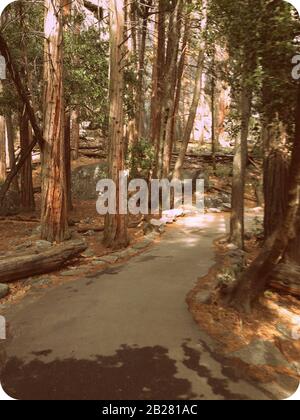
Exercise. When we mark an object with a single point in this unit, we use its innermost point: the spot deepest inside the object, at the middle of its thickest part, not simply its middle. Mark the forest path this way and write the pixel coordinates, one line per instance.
(125, 334)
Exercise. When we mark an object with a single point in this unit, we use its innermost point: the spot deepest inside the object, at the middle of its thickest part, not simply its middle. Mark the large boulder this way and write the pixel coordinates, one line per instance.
(11, 203)
(85, 178)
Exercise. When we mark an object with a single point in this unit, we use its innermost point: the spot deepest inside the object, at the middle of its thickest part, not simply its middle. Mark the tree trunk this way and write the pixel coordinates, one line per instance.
(180, 72)
(21, 267)
(191, 119)
(26, 99)
(67, 141)
(237, 227)
(213, 122)
(196, 98)
(11, 148)
(54, 196)
(27, 195)
(276, 167)
(75, 133)
(255, 279)
(140, 92)
(115, 234)
(170, 87)
(2, 150)
(158, 84)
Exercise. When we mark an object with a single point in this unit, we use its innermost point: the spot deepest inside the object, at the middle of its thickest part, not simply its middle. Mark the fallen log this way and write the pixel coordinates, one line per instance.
(21, 267)
(96, 155)
(87, 228)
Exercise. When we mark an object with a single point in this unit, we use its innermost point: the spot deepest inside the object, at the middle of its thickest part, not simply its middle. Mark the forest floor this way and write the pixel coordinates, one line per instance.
(266, 342)
(126, 333)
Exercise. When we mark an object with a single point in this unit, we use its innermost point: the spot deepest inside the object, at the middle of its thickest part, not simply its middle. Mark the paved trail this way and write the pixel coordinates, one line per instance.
(125, 334)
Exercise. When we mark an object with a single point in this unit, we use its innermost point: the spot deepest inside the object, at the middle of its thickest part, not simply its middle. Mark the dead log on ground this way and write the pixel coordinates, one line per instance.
(17, 268)
(87, 228)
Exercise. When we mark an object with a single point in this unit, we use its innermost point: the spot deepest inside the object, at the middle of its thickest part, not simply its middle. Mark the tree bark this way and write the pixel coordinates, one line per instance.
(140, 94)
(276, 170)
(67, 141)
(158, 84)
(22, 91)
(170, 88)
(196, 98)
(75, 133)
(192, 116)
(116, 234)
(21, 267)
(2, 150)
(255, 279)
(27, 195)
(11, 147)
(237, 228)
(54, 195)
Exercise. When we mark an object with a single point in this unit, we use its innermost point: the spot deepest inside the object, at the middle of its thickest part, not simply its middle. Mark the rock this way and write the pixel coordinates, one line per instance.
(85, 178)
(39, 281)
(284, 330)
(37, 230)
(147, 228)
(89, 233)
(226, 207)
(172, 214)
(4, 290)
(98, 262)
(68, 273)
(43, 244)
(152, 236)
(142, 245)
(261, 353)
(168, 220)
(232, 247)
(109, 259)
(11, 203)
(203, 297)
(88, 253)
(126, 253)
(23, 246)
(214, 210)
(158, 225)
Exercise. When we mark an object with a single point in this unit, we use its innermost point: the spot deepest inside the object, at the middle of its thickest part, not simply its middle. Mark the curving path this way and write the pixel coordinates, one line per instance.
(126, 333)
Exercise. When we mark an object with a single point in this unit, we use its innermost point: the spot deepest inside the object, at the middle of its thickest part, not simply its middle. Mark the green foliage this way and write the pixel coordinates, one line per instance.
(140, 158)
(86, 75)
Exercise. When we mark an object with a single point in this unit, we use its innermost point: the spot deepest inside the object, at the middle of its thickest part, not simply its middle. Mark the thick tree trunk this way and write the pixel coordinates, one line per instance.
(237, 227)
(67, 141)
(158, 85)
(54, 196)
(2, 150)
(140, 92)
(115, 234)
(170, 88)
(255, 279)
(276, 169)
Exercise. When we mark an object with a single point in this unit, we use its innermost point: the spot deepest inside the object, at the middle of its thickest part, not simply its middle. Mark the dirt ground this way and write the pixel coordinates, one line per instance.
(275, 319)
